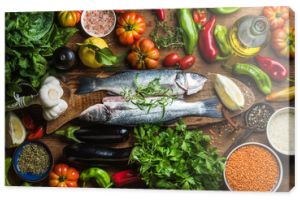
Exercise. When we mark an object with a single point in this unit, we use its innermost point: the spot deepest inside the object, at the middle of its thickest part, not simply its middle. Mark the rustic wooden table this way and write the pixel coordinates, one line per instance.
(220, 138)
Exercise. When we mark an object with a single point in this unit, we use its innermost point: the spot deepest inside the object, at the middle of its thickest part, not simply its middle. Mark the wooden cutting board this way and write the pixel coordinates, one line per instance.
(79, 103)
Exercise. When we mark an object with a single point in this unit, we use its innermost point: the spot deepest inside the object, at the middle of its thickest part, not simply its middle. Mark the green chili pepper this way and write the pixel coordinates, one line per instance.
(261, 79)
(189, 30)
(8, 162)
(26, 184)
(102, 177)
(69, 133)
(224, 10)
(221, 33)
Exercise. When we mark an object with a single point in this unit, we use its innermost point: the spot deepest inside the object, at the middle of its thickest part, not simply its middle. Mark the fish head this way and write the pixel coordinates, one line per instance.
(190, 82)
(95, 113)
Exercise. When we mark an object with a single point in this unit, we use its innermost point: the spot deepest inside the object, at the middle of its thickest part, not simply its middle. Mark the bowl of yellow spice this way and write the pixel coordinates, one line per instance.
(32, 161)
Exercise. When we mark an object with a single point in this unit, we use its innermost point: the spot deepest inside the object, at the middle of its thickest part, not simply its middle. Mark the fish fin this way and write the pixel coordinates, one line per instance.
(88, 84)
(211, 108)
(172, 121)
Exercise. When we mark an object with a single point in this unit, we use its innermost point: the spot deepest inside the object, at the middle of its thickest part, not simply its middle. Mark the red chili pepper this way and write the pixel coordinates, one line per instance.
(272, 67)
(125, 177)
(200, 17)
(37, 134)
(28, 122)
(119, 11)
(161, 14)
(207, 45)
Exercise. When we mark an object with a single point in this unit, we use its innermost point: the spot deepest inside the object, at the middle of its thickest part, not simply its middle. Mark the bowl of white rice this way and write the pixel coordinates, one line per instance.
(281, 131)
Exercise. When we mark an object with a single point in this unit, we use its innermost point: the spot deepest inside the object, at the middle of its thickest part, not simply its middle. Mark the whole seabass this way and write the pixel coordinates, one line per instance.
(116, 111)
(180, 82)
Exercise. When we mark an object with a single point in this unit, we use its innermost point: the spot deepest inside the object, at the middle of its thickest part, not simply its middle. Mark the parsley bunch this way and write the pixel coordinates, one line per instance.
(176, 158)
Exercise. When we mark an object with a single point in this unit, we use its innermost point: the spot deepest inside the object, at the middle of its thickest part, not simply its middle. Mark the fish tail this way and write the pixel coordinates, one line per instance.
(88, 84)
(211, 108)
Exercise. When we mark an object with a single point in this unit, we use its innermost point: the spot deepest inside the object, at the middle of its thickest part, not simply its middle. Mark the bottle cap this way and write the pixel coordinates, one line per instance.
(253, 31)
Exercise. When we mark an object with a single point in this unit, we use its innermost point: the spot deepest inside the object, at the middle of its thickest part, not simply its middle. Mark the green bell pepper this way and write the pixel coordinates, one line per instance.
(102, 177)
(221, 35)
(189, 30)
(224, 10)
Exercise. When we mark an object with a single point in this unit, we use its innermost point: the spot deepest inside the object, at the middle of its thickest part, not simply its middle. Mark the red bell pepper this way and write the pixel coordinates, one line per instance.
(206, 43)
(161, 14)
(125, 177)
(273, 68)
(200, 17)
(36, 134)
(28, 122)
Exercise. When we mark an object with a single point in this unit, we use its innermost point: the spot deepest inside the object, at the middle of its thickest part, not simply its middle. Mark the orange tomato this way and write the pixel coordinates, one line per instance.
(283, 41)
(63, 176)
(144, 55)
(69, 18)
(277, 15)
(130, 27)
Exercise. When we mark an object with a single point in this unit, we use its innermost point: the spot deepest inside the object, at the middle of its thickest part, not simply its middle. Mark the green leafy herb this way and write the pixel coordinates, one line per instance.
(163, 96)
(176, 158)
(165, 36)
(30, 39)
(104, 55)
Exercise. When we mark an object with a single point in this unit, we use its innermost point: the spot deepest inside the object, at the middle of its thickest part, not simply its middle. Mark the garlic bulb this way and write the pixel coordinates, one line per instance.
(55, 111)
(50, 92)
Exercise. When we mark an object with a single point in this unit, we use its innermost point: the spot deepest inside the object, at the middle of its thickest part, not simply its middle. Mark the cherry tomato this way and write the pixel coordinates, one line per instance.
(171, 60)
(187, 61)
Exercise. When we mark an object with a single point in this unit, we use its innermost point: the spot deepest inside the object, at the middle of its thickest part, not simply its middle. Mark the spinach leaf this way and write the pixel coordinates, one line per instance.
(30, 39)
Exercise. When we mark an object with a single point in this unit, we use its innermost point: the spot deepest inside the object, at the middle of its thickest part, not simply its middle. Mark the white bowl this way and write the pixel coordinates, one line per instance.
(93, 34)
(276, 114)
(275, 188)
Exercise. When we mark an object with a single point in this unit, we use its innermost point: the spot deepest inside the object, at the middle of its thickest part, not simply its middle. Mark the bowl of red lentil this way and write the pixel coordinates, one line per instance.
(253, 167)
(98, 23)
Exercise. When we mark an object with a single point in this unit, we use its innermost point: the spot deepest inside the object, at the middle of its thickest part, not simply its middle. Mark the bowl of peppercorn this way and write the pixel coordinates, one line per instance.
(32, 161)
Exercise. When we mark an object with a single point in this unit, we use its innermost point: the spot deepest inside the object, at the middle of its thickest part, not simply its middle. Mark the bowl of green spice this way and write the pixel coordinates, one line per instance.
(32, 161)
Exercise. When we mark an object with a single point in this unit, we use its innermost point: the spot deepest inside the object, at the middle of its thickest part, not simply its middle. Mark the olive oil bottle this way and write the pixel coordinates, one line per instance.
(247, 37)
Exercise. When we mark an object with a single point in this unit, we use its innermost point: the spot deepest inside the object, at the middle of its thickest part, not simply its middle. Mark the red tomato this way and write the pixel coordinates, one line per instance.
(130, 27)
(144, 55)
(63, 176)
(171, 60)
(283, 40)
(277, 15)
(187, 61)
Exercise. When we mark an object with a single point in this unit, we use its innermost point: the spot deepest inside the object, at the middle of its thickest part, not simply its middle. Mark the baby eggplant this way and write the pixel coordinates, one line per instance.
(105, 135)
(64, 58)
(92, 154)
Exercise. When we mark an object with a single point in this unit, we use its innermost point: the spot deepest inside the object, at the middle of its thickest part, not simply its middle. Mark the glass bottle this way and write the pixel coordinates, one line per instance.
(247, 37)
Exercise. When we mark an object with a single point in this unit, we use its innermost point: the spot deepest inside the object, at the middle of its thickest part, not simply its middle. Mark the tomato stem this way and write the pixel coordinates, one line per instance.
(62, 179)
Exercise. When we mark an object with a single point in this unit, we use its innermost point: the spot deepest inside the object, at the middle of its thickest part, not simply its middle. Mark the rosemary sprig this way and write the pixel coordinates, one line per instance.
(165, 36)
(154, 89)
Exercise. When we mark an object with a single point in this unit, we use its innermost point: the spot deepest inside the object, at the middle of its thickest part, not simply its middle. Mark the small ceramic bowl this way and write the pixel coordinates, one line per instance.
(271, 120)
(28, 176)
(276, 186)
(98, 35)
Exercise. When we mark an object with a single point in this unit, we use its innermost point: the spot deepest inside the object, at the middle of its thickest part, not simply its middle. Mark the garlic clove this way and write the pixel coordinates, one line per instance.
(52, 80)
